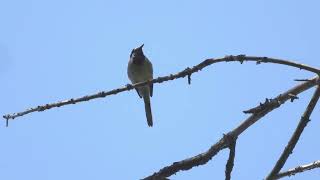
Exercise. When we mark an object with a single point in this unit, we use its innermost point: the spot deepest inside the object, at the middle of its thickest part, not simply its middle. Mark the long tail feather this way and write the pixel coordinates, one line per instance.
(147, 106)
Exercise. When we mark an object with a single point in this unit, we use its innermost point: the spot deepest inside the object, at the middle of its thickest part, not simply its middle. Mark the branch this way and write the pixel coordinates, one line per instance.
(232, 154)
(305, 118)
(203, 158)
(298, 169)
(187, 72)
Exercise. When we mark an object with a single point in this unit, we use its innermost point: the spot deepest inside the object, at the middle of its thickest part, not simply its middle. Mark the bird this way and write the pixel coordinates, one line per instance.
(140, 70)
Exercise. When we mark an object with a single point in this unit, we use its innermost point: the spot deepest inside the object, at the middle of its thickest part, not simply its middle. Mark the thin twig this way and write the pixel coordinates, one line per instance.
(305, 118)
(301, 79)
(299, 169)
(187, 72)
(203, 158)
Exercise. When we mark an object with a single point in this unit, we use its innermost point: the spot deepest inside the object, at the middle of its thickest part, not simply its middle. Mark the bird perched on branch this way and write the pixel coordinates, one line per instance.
(140, 70)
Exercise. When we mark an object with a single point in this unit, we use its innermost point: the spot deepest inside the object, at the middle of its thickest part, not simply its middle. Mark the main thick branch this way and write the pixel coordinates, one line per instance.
(203, 158)
(187, 72)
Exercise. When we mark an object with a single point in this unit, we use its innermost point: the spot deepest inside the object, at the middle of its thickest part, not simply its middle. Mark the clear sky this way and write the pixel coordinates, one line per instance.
(55, 50)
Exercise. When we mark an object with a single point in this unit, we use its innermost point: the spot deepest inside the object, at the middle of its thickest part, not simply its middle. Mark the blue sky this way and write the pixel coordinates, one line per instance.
(55, 50)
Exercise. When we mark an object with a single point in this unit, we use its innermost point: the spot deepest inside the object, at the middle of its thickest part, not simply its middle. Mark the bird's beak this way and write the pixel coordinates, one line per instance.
(140, 46)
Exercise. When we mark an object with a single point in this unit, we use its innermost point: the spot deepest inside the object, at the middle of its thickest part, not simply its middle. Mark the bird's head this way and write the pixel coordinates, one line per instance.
(137, 55)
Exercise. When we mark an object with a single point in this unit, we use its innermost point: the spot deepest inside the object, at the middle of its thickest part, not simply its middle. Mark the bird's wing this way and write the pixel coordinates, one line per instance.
(150, 73)
(151, 90)
(138, 92)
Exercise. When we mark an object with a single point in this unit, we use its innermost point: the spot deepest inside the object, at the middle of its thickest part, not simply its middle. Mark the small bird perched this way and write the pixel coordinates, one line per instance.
(140, 70)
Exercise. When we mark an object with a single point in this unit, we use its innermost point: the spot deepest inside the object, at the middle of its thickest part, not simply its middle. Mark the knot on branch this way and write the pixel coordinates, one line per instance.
(129, 86)
(41, 108)
(102, 94)
(293, 97)
(268, 104)
(297, 170)
(72, 101)
(230, 139)
(261, 60)
(305, 118)
(188, 72)
(241, 58)
(160, 79)
(7, 117)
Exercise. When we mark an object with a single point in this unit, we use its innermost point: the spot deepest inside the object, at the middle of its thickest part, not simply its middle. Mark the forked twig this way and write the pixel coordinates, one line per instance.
(305, 118)
(204, 157)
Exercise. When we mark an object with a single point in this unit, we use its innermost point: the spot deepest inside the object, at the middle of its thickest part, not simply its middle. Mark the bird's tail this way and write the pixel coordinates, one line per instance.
(147, 107)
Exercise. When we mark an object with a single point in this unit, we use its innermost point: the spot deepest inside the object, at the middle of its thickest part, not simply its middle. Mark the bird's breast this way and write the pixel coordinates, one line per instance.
(139, 73)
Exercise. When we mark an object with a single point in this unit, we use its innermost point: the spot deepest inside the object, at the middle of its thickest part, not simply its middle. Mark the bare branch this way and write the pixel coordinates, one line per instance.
(187, 72)
(305, 118)
(299, 169)
(257, 113)
(283, 62)
(189, 163)
(203, 158)
(232, 154)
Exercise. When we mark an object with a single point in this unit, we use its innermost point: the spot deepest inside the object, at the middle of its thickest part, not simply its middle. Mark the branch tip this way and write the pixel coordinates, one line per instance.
(189, 79)
(303, 80)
